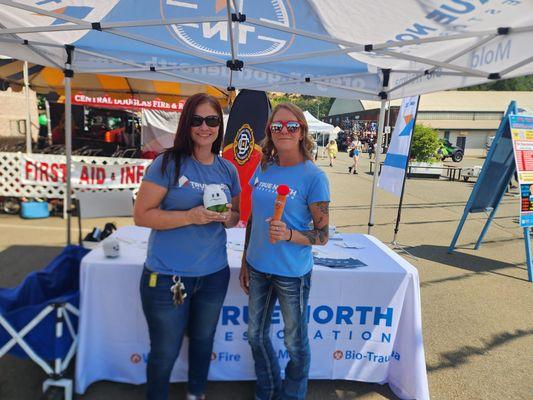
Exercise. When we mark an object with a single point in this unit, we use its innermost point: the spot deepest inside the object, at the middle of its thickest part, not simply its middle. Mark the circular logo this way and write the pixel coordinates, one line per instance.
(213, 37)
(243, 144)
(213, 356)
(135, 358)
(338, 355)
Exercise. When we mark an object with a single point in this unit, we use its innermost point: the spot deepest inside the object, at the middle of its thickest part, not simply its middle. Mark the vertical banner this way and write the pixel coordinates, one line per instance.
(522, 135)
(244, 133)
(393, 172)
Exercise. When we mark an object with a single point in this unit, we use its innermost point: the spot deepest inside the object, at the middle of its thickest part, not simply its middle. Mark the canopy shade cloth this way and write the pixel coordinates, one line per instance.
(315, 125)
(46, 80)
(337, 48)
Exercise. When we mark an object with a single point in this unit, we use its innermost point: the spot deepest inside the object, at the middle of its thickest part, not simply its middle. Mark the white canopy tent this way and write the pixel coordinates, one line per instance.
(315, 125)
(318, 129)
(352, 49)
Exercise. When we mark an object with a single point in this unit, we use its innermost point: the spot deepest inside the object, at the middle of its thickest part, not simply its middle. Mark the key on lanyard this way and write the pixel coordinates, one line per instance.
(178, 291)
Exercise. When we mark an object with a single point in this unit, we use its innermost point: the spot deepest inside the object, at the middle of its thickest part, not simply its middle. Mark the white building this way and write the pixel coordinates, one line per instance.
(466, 118)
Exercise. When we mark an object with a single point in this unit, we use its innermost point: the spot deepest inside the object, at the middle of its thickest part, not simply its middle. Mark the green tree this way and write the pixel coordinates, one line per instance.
(425, 144)
(522, 83)
(318, 106)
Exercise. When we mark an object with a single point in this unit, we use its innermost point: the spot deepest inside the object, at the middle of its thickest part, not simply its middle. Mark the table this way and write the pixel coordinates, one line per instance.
(365, 323)
(453, 173)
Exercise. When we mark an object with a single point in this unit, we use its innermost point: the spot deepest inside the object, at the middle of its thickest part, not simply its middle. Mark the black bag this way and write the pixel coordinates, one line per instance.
(350, 153)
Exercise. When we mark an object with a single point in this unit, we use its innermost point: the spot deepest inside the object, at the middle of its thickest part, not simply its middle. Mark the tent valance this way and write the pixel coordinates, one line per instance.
(339, 48)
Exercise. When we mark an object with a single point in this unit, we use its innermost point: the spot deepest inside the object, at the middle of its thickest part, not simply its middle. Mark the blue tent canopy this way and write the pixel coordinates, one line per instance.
(337, 48)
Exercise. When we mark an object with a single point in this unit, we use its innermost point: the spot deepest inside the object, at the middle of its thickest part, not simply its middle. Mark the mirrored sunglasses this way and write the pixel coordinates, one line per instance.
(277, 126)
(210, 120)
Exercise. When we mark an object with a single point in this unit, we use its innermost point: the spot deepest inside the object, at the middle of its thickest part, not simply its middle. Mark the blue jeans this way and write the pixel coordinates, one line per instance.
(167, 323)
(293, 296)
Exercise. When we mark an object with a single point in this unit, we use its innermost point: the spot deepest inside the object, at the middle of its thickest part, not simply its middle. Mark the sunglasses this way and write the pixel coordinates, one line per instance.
(211, 120)
(277, 126)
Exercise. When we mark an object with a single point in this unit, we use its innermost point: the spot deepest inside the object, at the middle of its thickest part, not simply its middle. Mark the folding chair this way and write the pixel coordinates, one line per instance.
(103, 204)
(33, 316)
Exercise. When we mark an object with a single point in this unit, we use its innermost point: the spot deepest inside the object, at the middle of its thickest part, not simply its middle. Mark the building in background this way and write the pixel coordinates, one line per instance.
(468, 119)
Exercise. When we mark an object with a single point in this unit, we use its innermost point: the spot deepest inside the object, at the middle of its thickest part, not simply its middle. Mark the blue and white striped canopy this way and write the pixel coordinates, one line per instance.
(364, 49)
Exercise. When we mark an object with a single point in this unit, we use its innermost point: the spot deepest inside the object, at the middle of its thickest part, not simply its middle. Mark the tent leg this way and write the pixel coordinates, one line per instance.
(377, 160)
(28, 112)
(68, 150)
(49, 123)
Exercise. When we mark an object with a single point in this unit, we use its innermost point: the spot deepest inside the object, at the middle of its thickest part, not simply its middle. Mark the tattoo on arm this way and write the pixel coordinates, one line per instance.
(319, 235)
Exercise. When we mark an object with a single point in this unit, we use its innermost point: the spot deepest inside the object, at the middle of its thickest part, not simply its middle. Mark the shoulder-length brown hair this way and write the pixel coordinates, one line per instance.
(183, 143)
(270, 154)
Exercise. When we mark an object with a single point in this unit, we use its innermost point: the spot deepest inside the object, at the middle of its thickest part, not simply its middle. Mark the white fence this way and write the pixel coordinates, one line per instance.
(43, 175)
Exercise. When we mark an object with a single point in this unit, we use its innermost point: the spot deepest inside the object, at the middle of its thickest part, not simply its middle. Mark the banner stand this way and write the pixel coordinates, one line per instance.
(492, 184)
(394, 244)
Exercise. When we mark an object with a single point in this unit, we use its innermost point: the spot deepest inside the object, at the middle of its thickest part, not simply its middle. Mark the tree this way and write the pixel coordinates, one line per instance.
(522, 83)
(318, 106)
(425, 144)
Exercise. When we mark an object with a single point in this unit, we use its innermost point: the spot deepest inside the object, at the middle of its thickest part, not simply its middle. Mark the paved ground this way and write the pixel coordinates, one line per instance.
(476, 305)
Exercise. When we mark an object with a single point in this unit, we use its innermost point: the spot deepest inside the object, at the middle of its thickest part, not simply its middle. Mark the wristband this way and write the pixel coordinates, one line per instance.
(290, 237)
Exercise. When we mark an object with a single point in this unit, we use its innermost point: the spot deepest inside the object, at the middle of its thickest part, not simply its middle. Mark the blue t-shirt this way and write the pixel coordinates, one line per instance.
(308, 184)
(191, 250)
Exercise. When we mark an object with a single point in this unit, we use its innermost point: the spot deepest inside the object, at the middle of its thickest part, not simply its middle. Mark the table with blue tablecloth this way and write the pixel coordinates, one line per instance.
(364, 317)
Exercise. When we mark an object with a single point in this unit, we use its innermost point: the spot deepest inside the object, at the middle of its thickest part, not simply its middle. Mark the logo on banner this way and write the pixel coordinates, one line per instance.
(213, 37)
(243, 144)
(338, 355)
(135, 358)
(213, 356)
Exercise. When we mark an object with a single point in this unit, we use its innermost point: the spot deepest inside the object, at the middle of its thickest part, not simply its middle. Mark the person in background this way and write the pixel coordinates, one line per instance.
(332, 150)
(371, 147)
(314, 150)
(186, 271)
(355, 152)
(277, 260)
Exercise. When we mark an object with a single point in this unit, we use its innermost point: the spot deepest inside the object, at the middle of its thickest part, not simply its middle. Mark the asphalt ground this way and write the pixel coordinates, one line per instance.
(476, 304)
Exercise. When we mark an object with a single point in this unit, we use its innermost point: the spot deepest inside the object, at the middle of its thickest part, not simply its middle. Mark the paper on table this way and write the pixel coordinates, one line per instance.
(350, 244)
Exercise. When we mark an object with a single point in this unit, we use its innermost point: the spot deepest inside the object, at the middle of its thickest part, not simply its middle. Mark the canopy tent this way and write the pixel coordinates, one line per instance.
(315, 125)
(351, 49)
(318, 129)
(46, 80)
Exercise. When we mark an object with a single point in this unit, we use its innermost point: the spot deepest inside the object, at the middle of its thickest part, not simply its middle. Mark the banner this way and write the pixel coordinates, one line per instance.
(522, 135)
(244, 133)
(131, 103)
(158, 130)
(50, 170)
(393, 171)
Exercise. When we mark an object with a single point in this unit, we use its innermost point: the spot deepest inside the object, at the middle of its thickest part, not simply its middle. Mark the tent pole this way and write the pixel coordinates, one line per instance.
(28, 112)
(68, 139)
(49, 123)
(376, 169)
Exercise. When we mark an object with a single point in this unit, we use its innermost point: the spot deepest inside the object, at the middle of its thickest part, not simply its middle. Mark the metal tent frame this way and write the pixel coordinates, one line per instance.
(235, 18)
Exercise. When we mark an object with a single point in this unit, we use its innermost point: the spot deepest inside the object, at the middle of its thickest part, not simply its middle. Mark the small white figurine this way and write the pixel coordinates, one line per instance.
(214, 198)
(111, 247)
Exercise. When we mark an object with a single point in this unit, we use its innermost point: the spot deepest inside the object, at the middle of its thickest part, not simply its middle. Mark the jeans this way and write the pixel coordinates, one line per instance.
(167, 323)
(293, 296)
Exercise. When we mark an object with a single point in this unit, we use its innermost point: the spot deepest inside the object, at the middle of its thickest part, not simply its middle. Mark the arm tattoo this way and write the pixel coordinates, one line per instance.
(315, 236)
(319, 235)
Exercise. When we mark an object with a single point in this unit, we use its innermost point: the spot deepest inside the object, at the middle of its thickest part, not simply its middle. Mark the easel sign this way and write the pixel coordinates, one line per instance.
(496, 174)
(522, 135)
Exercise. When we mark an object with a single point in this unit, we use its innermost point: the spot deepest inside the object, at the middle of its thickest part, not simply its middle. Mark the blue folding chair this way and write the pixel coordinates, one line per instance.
(33, 316)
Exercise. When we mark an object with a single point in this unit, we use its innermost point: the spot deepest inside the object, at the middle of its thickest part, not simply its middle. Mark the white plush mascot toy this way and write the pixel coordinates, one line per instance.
(214, 198)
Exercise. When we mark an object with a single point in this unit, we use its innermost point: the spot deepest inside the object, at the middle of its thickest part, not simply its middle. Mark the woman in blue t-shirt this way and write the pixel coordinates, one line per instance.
(277, 260)
(186, 272)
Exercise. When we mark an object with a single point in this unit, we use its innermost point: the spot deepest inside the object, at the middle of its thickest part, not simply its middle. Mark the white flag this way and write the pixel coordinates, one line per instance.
(393, 171)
